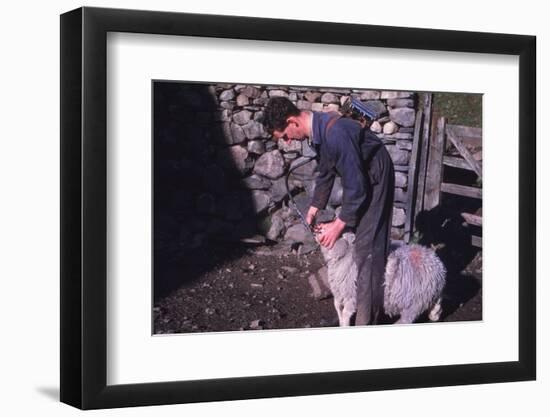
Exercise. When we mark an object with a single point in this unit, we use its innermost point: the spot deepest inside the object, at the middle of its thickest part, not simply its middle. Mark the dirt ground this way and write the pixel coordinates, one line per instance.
(236, 288)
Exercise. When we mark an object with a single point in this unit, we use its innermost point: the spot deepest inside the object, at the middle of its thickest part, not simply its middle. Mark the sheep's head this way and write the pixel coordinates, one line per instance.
(340, 249)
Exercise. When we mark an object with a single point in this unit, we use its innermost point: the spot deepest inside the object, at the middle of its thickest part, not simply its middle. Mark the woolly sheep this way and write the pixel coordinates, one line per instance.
(413, 283)
(342, 277)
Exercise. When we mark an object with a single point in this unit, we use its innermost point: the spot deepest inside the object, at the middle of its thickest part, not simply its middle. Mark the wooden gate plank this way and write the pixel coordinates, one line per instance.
(472, 219)
(412, 185)
(459, 145)
(456, 162)
(435, 166)
(423, 163)
(472, 133)
(462, 190)
(477, 241)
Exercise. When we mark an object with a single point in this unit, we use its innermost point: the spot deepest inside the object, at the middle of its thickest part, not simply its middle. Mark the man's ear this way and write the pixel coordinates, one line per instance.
(293, 119)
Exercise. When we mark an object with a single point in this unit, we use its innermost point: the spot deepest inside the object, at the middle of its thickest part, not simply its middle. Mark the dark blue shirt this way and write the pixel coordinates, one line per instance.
(340, 153)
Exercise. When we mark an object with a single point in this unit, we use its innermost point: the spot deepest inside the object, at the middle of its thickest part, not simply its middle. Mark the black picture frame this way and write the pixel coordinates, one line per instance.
(83, 207)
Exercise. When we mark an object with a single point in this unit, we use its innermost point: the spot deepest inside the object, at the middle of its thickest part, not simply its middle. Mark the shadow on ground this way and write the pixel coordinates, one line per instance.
(443, 228)
(197, 194)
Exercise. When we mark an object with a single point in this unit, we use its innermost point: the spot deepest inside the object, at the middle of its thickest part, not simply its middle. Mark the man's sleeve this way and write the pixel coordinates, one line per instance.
(349, 165)
(324, 181)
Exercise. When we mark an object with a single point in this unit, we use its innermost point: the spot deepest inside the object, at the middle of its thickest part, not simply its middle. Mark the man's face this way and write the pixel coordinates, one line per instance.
(293, 131)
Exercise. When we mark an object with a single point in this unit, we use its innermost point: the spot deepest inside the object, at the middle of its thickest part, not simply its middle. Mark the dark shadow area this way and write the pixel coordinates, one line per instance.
(443, 228)
(464, 177)
(201, 213)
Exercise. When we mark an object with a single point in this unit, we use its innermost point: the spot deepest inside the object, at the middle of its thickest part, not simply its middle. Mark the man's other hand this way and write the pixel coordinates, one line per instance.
(330, 232)
(311, 213)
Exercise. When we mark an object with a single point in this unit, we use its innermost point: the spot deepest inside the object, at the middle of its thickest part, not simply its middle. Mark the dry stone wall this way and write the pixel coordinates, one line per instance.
(219, 175)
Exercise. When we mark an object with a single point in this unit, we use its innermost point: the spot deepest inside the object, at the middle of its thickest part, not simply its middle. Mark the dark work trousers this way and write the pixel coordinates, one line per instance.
(372, 238)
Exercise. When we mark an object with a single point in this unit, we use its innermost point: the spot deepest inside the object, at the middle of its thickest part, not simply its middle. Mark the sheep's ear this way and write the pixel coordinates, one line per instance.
(350, 237)
(340, 248)
(391, 268)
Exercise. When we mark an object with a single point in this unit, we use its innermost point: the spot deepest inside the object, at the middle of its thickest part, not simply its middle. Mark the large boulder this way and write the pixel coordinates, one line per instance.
(278, 93)
(376, 127)
(306, 168)
(260, 200)
(227, 95)
(298, 233)
(242, 117)
(254, 130)
(330, 98)
(396, 94)
(401, 102)
(276, 226)
(400, 195)
(390, 128)
(234, 158)
(400, 179)
(251, 92)
(242, 100)
(278, 189)
(289, 146)
(403, 116)
(312, 96)
(237, 134)
(303, 105)
(370, 95)
(256, 146)
(255, 182)
(270, 165)
(398, 156)
(406, 145)
(398, 218)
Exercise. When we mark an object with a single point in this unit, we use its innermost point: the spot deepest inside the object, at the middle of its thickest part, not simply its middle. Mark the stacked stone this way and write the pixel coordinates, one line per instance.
(239, 171)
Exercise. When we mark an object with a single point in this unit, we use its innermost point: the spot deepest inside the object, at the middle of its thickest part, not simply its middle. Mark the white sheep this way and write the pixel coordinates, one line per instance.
(413, 283)
(342, 277)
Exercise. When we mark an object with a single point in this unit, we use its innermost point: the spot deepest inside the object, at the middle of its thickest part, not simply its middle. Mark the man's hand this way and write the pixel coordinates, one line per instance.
(311, 213)
(330, 232)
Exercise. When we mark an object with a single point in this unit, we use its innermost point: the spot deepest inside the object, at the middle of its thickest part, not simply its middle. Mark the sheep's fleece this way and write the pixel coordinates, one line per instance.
(342, 277)
(414, 281)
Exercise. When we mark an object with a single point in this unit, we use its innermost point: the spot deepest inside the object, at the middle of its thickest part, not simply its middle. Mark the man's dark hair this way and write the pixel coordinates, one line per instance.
(276, 112)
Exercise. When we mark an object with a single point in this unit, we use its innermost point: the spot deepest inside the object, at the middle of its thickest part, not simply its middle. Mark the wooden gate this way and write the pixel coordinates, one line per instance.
(437, 145)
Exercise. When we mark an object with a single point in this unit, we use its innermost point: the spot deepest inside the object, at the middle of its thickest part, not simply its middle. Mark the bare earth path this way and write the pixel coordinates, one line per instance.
(267, 288)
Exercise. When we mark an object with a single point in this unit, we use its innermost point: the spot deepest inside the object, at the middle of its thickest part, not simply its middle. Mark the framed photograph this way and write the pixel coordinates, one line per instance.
(220, 178)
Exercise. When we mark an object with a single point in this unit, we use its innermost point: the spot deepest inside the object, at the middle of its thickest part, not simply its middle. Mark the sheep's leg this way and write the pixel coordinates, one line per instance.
(407, 317)
(339, 307)
(318, 282)
(347, 312)
(435, 313)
